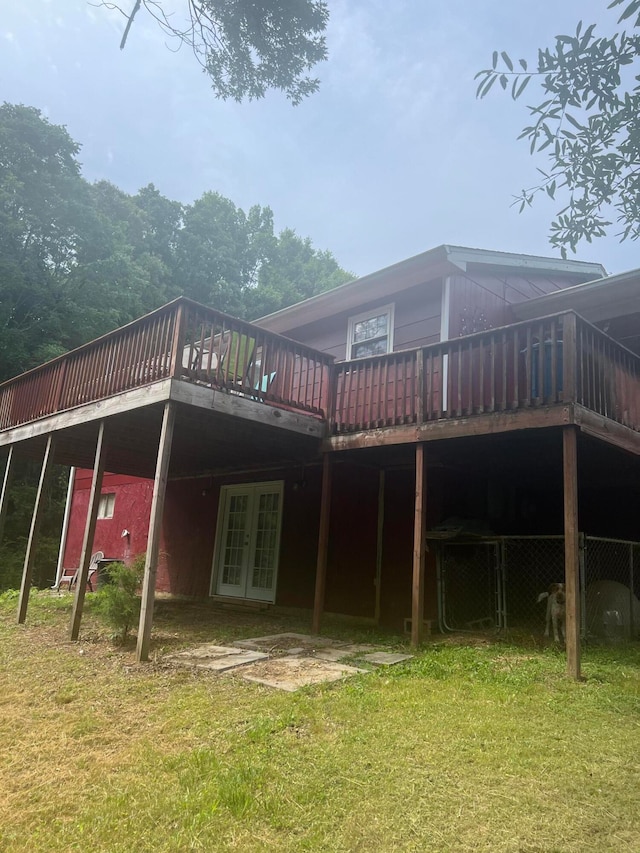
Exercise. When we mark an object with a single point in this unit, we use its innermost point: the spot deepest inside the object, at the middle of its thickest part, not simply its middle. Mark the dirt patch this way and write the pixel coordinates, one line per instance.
(286, 642)
(292, 673)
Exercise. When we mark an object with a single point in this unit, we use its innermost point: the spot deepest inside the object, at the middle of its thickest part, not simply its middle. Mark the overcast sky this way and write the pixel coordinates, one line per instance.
(392, 157)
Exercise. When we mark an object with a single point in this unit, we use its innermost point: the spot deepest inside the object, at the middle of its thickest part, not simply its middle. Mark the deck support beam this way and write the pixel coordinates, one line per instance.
(89, 533)
(571, 549)
(323, 544)
(6, 486)
(419, 542)
(379, 545)
(155, 528)
(36, 519)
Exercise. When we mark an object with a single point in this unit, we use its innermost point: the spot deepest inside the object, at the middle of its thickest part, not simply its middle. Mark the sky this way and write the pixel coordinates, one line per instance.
(393, 156)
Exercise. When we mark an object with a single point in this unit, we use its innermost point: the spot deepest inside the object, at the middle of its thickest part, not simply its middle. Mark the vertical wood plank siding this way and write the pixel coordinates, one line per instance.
(549, 361)
(183, 340)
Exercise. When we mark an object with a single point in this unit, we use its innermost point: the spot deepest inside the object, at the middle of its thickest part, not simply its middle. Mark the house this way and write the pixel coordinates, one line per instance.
(328, 455)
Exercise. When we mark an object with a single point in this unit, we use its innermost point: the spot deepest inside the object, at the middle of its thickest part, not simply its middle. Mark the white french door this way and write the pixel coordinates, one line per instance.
(248, 541)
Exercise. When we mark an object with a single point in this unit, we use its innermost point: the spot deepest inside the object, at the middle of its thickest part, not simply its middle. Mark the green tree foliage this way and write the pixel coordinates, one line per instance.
(18, 522)
(79, 259)
(214, 260)
(117, 276)
(293, 271)
(588, 124)
(117, 601)
(247, 47)
(43, 204)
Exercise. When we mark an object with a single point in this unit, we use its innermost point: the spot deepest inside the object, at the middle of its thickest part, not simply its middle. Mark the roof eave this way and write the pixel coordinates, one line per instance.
(427, 266)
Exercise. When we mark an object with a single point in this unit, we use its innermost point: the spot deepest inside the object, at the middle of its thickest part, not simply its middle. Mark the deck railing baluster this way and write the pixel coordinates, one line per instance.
(560, 359)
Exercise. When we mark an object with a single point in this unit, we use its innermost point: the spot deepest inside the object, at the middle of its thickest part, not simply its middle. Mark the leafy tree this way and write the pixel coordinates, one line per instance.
(117, 601)
(18, 522)
(247, 46)
(79, 259)
(293, 271)
(43, 208)
(161, 225)
(588, 124)
(212, 255)
(118, 275)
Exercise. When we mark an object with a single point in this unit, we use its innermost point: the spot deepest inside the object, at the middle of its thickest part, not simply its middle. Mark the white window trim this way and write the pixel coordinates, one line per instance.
(107, 502)
(365, 315)
(225, 493)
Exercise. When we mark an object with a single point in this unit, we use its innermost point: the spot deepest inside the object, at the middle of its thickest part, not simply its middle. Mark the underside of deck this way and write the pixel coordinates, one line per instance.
(214, 432)
(189, 392)
(590, 424)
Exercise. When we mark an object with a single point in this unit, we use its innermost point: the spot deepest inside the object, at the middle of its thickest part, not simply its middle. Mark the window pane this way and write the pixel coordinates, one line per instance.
(372, 327)
(106, 505)
(234, 545)
(266, 534)
(378, 347)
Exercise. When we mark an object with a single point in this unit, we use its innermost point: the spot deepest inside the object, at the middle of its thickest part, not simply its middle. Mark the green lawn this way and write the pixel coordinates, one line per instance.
(485, 747)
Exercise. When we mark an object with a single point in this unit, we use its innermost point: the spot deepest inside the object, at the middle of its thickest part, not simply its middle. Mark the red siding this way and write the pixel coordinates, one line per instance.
(397, 548)
(417, 321)
(188, 532)
(479, 301)
(131, 512)
(351, 568)
(189, 525)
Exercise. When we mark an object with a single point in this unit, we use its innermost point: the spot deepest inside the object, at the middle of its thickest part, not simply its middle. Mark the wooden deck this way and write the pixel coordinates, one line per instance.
(181, 341)
(548, 372)
(551, 371)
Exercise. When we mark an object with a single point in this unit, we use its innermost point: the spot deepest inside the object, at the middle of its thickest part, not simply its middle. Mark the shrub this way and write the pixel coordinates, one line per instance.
(117, 601)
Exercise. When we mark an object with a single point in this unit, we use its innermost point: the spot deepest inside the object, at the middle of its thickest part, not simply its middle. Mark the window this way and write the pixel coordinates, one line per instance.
(106, 505)
(370, 333)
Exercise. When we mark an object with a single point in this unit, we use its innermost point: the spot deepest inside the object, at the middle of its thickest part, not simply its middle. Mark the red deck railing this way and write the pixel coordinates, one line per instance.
(545, 362)
(223, 352)
(182, 340)
(553, 360)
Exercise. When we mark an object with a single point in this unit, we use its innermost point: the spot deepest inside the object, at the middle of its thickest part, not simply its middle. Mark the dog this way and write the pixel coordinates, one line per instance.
(556, 610)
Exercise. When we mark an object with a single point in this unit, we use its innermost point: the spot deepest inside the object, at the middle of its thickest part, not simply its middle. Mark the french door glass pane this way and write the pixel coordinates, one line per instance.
(266, 540)
(233, 550)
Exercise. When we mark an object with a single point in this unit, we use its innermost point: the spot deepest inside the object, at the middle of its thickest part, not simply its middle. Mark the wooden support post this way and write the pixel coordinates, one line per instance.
(571, 549)
(6, 485)
(379, 543)
(569, 358)
(177, 345)
(323, 544)
(419, 529)
(36, 518)
(419, 399)
(65, 527)
(155, 527)
(89, 532)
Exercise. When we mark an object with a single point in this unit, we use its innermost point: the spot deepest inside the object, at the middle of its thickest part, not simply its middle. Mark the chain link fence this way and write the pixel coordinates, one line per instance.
(470, 586)
(494, 585)
(610, 606)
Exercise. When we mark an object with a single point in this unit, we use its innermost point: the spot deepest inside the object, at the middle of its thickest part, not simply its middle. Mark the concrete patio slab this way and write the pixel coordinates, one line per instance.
(292, 673)
(216, 658)
(339, 652)
(286, 642)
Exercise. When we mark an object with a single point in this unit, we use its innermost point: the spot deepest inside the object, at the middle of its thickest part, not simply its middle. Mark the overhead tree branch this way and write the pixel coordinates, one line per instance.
(129, 22)
(246, 47)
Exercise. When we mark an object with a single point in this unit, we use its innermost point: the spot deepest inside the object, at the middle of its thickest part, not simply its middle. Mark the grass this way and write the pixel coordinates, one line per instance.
(484, 747)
